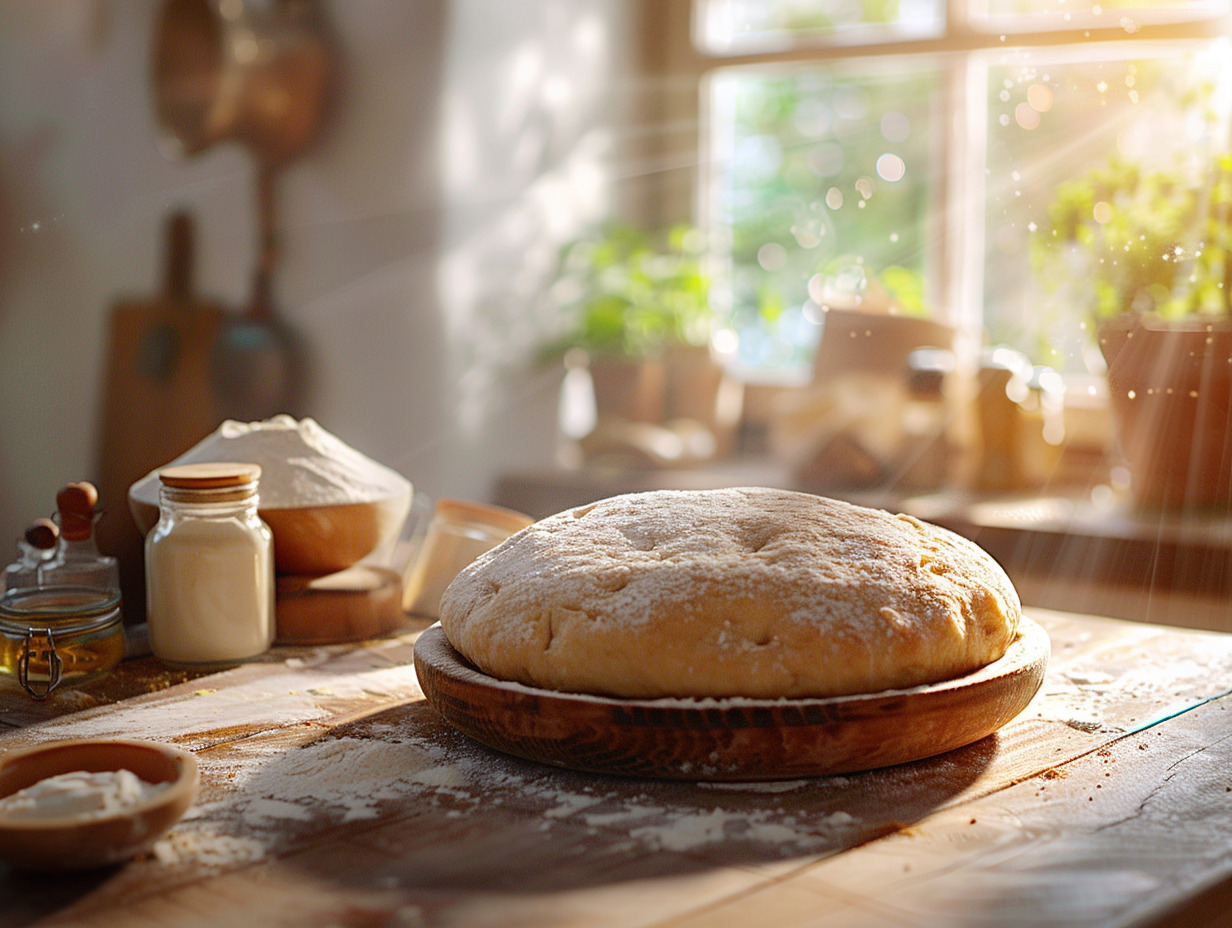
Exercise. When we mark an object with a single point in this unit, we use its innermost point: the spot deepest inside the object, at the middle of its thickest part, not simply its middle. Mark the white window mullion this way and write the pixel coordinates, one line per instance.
(962, 273)
(968, 132)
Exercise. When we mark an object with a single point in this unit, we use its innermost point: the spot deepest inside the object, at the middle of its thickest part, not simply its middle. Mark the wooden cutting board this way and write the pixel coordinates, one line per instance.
(730, 739)
(158, 399)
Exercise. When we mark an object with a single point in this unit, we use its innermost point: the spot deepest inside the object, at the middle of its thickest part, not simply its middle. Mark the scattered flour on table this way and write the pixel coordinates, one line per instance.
(1082, 698)
(770, 786)
(261, 795)
(278, 701)
(655, 819)
(348, 778)
(1092, 722)
(568, 805)
(270, 789)
(390, 770)
(206, 848)
(690, 830)
(1089, 677)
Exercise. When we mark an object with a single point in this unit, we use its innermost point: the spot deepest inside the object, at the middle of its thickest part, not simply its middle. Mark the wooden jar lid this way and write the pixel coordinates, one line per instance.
(209, 475)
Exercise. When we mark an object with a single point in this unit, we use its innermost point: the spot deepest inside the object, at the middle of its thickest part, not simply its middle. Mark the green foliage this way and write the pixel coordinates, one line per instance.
(625, 292)
(813, 17)
(1146, 241)
(905, 287)
(803, 191)
(849, 284)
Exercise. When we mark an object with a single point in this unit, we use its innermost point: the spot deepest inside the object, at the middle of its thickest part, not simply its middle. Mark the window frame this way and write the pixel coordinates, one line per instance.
(678, 144)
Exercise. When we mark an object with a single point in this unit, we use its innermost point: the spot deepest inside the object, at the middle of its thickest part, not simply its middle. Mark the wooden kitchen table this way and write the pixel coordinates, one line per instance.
(333, 795)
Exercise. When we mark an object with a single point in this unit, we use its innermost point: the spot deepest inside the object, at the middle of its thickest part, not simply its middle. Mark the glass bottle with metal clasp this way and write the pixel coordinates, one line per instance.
(60, 612)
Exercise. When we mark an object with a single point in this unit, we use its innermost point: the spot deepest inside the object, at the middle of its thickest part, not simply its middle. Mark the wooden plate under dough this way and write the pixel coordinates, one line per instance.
(730, 739)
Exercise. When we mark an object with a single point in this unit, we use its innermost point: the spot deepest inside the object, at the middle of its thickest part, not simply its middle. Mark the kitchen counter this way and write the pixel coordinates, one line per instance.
(333, 794)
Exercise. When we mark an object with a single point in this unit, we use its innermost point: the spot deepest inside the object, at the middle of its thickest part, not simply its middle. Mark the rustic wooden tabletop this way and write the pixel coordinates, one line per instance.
(333, 794)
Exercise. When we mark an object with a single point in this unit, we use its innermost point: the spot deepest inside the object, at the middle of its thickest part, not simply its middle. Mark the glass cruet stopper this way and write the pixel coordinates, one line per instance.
(35, 549)
(78, 562)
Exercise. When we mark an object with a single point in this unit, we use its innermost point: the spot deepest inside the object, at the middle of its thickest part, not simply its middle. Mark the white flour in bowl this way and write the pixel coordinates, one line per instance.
(302, 465)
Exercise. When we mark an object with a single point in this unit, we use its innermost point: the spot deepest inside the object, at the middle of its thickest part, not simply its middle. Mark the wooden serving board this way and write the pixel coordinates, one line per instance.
(730, 739)
(158, 401)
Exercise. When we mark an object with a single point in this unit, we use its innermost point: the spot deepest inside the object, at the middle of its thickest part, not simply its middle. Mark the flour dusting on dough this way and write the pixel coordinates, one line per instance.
(745, 592)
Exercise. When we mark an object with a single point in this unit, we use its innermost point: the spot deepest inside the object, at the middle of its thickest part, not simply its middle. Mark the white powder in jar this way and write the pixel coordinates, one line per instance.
(301, 464)
(210, 593)
(78, 794)
(209, 567)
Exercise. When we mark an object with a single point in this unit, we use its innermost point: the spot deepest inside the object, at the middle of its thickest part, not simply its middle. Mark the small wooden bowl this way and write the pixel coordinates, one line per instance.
(82, 842)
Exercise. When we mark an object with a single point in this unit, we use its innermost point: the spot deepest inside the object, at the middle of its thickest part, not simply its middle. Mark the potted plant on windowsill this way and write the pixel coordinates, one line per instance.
(873, 324)
(1155, 250)
(636, 306)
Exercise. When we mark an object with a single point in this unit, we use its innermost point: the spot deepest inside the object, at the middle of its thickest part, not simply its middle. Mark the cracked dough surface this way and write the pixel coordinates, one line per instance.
(752, 592)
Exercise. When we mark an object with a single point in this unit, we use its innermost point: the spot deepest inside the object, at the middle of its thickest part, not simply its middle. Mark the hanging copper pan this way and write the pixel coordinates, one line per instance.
(259, 73)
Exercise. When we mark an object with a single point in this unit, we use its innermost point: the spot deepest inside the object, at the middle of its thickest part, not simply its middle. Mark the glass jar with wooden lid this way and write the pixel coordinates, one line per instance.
(209, 567)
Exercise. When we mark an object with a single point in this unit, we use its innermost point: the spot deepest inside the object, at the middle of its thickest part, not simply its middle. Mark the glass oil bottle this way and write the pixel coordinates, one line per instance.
(60, 611)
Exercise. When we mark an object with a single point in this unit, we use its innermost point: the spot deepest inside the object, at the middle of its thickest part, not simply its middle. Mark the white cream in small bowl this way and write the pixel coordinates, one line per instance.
(81, 804)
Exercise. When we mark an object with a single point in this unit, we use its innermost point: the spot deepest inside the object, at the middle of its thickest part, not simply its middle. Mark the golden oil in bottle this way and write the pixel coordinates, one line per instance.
(60, 614)
(59, 635)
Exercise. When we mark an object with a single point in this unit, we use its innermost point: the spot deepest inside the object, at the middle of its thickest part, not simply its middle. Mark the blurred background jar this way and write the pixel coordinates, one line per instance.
(458, 533)
(1021, 410)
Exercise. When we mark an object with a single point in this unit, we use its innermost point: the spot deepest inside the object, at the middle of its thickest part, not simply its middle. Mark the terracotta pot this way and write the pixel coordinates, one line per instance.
(1171, 390)
(700, 390)
(693, 379)
(628, 389)
(874, 343)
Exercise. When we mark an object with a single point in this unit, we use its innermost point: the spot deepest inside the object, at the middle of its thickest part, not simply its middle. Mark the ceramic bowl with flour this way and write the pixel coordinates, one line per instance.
(328, 505)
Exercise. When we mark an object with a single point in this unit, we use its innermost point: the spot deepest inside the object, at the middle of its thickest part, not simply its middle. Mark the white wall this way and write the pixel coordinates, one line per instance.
(472, 138)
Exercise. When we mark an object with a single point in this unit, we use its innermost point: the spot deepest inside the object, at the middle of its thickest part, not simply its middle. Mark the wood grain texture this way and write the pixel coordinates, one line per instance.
(332, 793)
(740, 739)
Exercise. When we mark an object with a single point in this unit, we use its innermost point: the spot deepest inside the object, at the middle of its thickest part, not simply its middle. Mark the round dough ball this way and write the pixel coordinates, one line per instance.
(751, 592)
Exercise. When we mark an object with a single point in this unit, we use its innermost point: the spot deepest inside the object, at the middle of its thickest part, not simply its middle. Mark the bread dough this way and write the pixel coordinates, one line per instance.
(752, 592)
